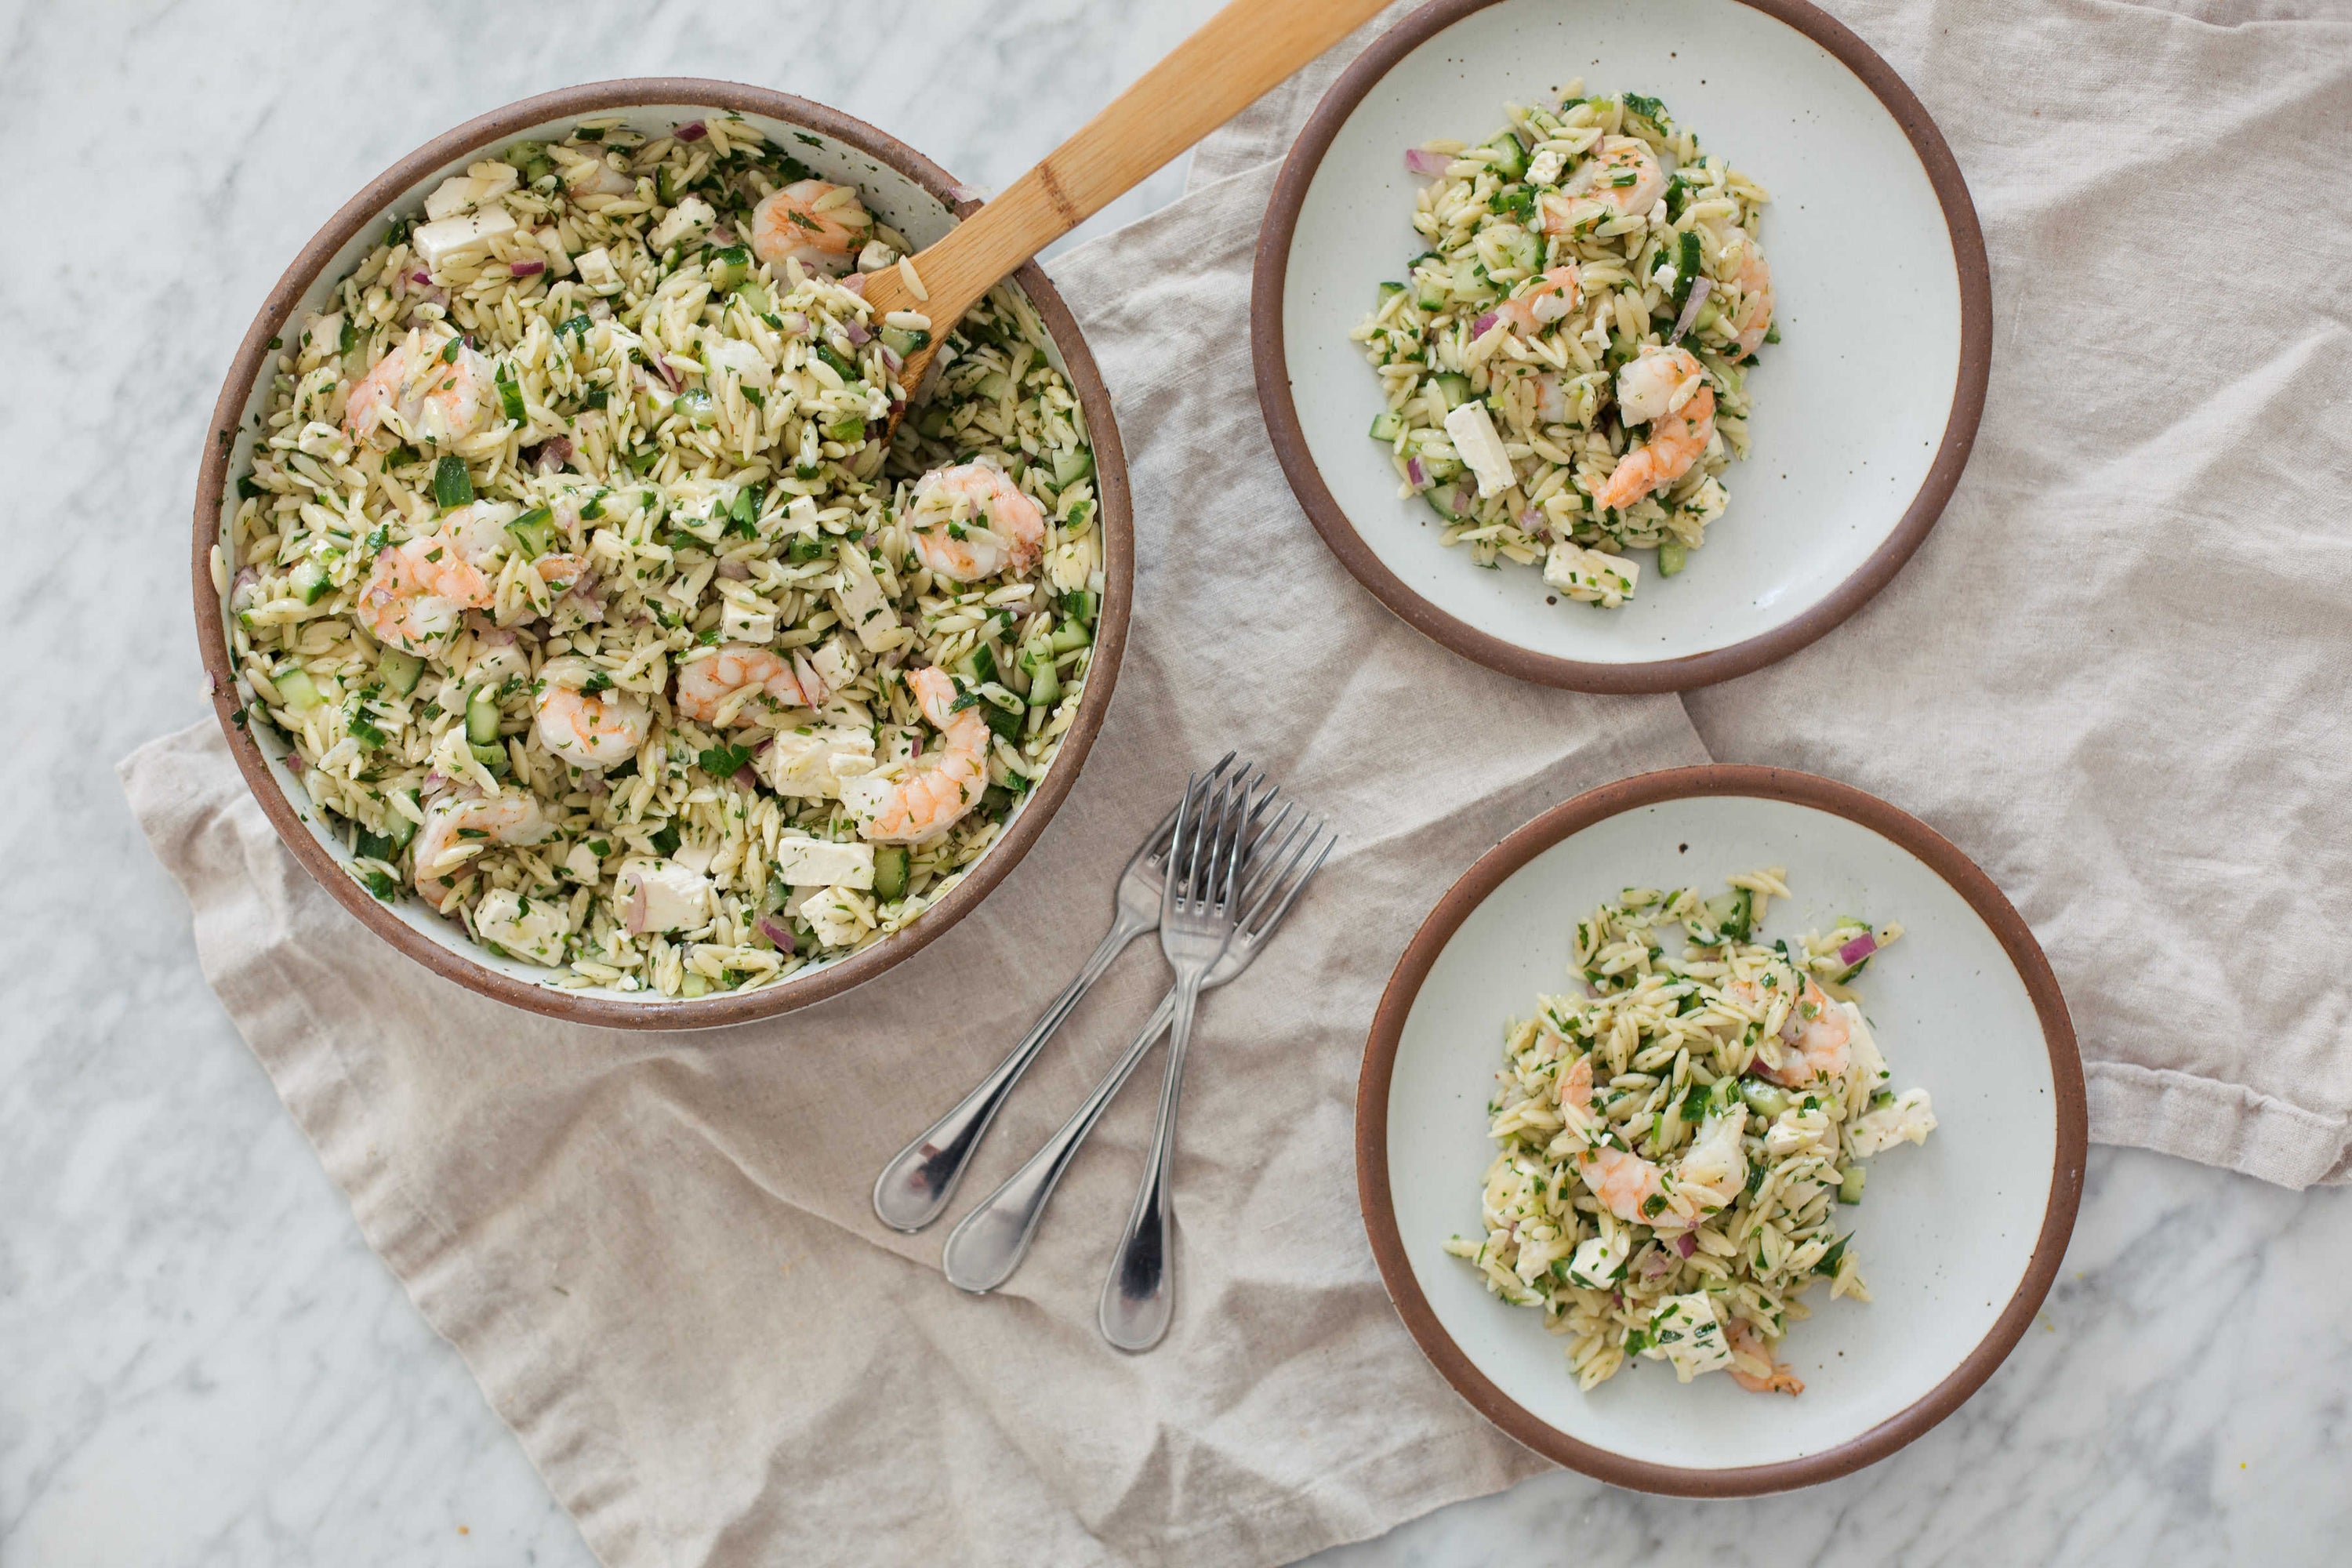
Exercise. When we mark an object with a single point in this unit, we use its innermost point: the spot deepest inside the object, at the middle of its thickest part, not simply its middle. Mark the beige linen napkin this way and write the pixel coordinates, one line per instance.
(2116, 674)
(657, 1253)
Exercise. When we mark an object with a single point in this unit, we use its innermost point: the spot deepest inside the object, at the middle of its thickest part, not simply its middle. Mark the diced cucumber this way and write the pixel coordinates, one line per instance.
(1071, 466)
(1005, 722)
(889, 873)
(802, 548)
(666, 186)
(491, 756)
(905, 341)
(1454, 386)
(693, 985)
(452, 485)
(1527, 253)
(509, 395)
(1727, 914)
(1510, 159)
(1673, 554)
(697, 404)
(1850, 1184)
(1387, 426)
(1079, 605)
(530, 159)
(482, 716)
(935, 422)
(995, 385)
(296, 689)
(1069, 636)
(1687, 264)
(728, 268)
(1044, 681)
(534, 531)
(1389, 289)
(978, 667)
(1767, 1100)
(310, 579)
(850, 428)
(757, 297)
(400, 669)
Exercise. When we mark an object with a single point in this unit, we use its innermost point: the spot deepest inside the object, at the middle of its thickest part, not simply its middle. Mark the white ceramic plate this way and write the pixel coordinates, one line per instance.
(1959, 1238)
(1865, 411)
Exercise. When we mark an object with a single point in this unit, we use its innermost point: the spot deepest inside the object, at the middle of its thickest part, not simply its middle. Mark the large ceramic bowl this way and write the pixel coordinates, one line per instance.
(1863, 413)
(1959, 1238)
(905, 189)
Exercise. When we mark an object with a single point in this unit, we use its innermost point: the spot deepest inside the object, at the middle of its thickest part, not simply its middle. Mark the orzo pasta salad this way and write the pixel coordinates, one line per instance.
(594, 609)
(1678, 1134)
(1565, 367)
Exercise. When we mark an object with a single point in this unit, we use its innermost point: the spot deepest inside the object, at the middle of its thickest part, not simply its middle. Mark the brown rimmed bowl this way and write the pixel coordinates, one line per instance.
(1959, 1239)
(908, 190)
(1863, 413)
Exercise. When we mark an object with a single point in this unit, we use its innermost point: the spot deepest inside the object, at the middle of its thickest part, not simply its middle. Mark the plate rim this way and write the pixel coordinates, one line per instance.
(1270, 363)
(1941, 856)
(727, 1009)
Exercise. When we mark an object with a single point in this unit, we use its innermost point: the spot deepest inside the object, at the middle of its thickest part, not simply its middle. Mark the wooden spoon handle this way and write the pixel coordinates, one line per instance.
(1214, 74)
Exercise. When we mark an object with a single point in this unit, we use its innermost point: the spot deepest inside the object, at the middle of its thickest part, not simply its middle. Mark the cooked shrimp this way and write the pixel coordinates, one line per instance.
(600, 731)
(1753, 318)
(941, 784)
(708, 686)
(419, 592)
(1707, 1177)
(1665, 387)
(820, 225)
(1622, 173)
(1749, 1349)
(1820, 1033)
(436, 390)
(972, 522)
(1554, 295)
(456, 828)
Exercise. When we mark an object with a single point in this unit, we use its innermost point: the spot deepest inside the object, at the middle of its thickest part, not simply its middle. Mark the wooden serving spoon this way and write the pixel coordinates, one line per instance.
(1214, 74)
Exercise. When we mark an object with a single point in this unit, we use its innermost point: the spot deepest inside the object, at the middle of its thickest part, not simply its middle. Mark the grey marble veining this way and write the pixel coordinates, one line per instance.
(200, 1362)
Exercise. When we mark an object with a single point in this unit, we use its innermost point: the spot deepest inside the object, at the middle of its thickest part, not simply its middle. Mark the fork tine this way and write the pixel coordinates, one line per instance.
(1230, 837)
(1255, 857)
(1184, 840)
(1267, 871)
(1295, 884)
(1160, 845)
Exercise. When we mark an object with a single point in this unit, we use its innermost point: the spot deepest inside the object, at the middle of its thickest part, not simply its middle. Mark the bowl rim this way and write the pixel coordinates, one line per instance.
(1270, 361)
(1115, 509)
(1491, 869)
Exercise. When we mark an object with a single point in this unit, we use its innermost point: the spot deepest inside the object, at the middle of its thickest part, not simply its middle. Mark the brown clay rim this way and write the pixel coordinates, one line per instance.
(1281, 414)
(1498, 864)
(369, 207)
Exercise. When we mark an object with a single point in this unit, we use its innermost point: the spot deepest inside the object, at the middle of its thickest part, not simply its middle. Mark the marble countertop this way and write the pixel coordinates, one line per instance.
(201, 1361)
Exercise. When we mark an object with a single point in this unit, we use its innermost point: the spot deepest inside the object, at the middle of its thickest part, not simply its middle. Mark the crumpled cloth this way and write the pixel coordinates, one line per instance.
(2114, 675)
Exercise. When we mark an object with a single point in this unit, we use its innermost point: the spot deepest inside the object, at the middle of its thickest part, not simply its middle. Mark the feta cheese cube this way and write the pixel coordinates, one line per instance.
(479, 186)
(1685, 1332)
(833, 665)
(1600, 1261)
(744, 359)
(1590, 575)
(860, 602)
(1543, 169)
(582, 864)
(814, 765)
(662, 896)
(1474, 438)
(461, 238)
(530, 928)
(1911, 1118)
(818, 863)
(746, 620)
(691, 217)
(595, 268)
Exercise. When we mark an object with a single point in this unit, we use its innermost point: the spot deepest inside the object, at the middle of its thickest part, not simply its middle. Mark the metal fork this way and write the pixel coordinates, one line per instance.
(920, 1180)
(989, 1242)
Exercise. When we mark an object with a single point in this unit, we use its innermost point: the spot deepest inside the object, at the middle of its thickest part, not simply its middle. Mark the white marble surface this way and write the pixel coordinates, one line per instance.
(201, 1362)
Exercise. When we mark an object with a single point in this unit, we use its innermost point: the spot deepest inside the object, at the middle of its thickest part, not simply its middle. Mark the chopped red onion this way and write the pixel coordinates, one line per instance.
(294, 763)
(434, 781)
(527, 268)
(1531, 519)
(692, 130)
(746, 777)
(593, 782)
(777, 932)
(1655, 1265)
(1686, 1244)
(1478, 328)
(636, 918)
(1421, 161)
(1416, 473)
(855, 331)
(811, 685)
(733, 571)
(1700, 289)
(890, 360)
(855, 283)
(794, 322)
(421, 277)
(554, 452)
(723, 234)
(1857, 950)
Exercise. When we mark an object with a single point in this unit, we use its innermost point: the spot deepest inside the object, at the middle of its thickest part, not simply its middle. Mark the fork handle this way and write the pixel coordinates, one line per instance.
(989, 1242)
(1139, 1297)
(916, 1185)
